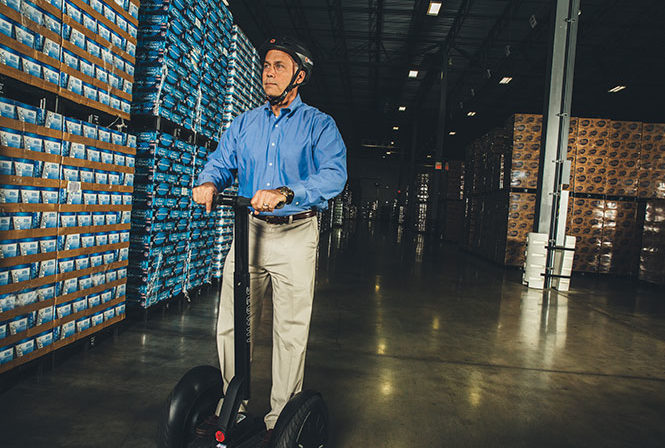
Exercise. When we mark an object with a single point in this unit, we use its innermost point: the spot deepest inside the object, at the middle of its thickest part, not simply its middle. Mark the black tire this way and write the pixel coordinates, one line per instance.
(194, 398)
(303, 423)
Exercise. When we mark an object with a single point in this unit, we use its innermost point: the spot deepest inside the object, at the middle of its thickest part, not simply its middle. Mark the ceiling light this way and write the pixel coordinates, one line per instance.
(402, 108)
(392, 143)
(505, 80)
(452, 133)
(434, 8)
(413, 73)
(616, 89)
(471, 114)
(395, 128)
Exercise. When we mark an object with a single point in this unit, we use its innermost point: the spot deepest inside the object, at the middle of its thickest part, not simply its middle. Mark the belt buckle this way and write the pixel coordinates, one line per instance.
(290, 219)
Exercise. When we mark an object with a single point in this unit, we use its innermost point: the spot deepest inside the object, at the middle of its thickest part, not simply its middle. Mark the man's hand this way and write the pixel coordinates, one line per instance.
(267, 200)
(203, 194)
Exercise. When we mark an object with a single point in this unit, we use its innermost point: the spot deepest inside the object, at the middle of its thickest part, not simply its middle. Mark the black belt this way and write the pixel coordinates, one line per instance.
(270, 219)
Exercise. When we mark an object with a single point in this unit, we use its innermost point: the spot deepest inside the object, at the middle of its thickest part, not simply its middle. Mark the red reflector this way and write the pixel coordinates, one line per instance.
(219, 436)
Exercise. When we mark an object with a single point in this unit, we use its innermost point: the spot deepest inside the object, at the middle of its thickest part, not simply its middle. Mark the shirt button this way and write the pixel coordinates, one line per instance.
(273, 144)
(276, 125)
(270, 164)
(297, 203)
(268, 184)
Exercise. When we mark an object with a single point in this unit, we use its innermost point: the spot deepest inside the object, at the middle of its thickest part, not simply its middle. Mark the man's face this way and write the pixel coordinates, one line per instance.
(278, 69)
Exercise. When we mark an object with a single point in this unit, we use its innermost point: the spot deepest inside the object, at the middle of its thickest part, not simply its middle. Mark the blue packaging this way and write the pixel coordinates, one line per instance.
(9, 194)
(77, 38)
(30, 11)
(7, 108)
(85, 282)
(69, 242)
(44, 339)
(103, 198)
(97, 6)
(96, 260)
(69, 286)
(104, 134)
(98, 218)
(46, 292)
(6, 354)
(101, 74)
(51, 170)
(101, 239)
(73, 126)
(90, 197)
(27, 297)
(104, 97)
(87, 240)
(70, 173)
(90, 91)
(79, 305)
(33, 142)
(48, 244)
(29, 246)
(10, 58)
(101, 177)
(8, 249)
(94, 300)
(87, 175)
(68, 219)
(52, 49)
(30, 195)
(82, 324)
(114, 179)
(97, 319)
(54, 121)
(89, 22)
(68, 329)
(11, 138)
(87, 68)
(84, 219)
(24, 168)
(24, 347)
(20, 273)
(49, 196)
(52, 23)
(49, 220)
(92, 154)
(24, 36)
(107, 296)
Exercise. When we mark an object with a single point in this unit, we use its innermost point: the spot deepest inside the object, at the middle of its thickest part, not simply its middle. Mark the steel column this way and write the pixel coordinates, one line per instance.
(440, 137)
(556, 125)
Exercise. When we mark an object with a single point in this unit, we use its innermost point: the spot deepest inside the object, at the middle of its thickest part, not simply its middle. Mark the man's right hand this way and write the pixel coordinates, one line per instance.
(203, 194)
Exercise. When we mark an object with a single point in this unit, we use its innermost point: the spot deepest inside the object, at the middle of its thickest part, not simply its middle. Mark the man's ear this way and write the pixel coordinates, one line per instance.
(301, 77)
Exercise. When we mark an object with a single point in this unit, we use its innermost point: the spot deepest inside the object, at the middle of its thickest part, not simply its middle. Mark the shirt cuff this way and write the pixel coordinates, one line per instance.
(299, 194)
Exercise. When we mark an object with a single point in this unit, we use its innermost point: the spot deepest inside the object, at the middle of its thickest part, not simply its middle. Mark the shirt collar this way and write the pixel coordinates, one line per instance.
(290, 110)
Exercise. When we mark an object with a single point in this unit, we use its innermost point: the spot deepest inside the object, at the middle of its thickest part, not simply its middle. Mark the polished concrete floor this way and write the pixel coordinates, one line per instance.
(412, 345)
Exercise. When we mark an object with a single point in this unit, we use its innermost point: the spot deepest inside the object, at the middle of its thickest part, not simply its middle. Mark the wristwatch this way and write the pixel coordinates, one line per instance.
(287, 192)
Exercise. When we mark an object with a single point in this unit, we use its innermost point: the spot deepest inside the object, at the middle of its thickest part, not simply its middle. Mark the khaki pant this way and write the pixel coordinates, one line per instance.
(283, 255)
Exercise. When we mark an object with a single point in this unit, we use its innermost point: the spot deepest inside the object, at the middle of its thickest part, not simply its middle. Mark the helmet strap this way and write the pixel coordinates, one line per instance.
(275, 100)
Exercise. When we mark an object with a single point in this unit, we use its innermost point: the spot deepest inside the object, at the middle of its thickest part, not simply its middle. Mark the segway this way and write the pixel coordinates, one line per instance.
(303, 423)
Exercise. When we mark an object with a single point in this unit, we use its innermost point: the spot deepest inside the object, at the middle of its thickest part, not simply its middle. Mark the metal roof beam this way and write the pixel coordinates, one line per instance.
(336, 16)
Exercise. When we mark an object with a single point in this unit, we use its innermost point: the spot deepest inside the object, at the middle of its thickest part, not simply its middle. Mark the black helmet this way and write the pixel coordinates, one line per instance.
(295, 49)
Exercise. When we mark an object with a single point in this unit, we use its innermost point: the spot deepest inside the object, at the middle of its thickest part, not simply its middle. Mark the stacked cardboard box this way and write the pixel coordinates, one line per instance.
(182, 63)
(652, 254)
(244, 92)
(607, 159)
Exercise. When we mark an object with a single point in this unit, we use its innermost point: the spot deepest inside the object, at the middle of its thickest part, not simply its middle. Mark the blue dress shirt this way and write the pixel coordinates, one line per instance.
(301, 149)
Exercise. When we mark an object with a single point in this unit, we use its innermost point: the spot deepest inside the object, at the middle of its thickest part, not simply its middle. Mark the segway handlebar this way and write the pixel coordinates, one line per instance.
(227, 199)
(235, 201)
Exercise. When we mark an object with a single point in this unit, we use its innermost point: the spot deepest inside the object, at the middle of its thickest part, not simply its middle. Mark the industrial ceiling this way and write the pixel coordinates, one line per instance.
(367, 54)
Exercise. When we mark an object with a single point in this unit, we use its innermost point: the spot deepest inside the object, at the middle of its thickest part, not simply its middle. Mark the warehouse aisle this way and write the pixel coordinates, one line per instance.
(411, 346)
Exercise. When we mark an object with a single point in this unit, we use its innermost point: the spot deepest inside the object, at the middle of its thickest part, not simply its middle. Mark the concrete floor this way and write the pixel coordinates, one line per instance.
(411, 346)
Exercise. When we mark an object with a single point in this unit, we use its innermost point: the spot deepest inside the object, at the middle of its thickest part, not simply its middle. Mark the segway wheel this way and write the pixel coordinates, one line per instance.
(193, 399)
(303, 423)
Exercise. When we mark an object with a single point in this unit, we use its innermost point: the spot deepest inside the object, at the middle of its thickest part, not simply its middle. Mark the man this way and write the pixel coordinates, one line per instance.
(284, 151)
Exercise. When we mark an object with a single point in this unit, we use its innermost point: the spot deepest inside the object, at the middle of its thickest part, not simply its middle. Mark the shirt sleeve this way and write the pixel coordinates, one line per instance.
(221, 163)
(329, 177)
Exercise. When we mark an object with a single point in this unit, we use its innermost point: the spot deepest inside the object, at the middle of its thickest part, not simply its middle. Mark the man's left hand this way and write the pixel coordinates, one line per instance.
(267, 200)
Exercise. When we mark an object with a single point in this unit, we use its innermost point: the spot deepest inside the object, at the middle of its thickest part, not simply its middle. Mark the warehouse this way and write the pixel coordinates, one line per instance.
(456, 234)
